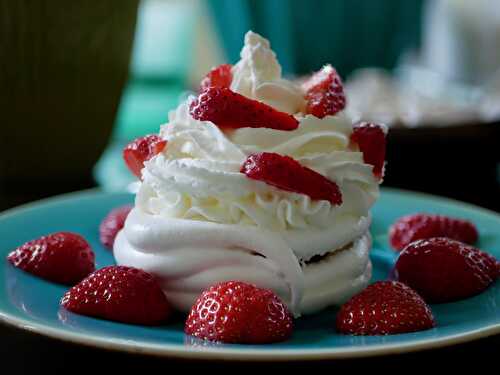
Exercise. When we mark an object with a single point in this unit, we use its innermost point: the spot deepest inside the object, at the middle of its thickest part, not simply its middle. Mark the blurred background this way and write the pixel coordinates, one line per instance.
(80, 79)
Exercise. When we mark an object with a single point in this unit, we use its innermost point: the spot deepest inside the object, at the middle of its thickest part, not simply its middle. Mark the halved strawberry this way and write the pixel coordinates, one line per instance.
(220, 76)
(140, 150)
(237, 312)
(324, 92)
(288, 174)
(444, 270)
(370, 139)
(421, 226)
(229, 109)
(385, 308)
(119, 293)
(62, 257)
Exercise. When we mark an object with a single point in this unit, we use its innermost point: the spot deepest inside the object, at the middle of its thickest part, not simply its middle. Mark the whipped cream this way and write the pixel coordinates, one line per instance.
(198, 220)
(258, 76)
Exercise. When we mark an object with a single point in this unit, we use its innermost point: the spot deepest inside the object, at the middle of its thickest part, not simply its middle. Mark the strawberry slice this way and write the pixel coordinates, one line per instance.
(220, 76)
(324, 93)
(288, 174)
(371, 141)
(140, 150)
(229, 109)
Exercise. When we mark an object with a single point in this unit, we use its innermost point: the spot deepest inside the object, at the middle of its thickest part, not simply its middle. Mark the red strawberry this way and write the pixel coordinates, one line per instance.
(420, 226)
(288, 174)
(123, 294)
(229, 109)
(237, 312)
(61, 257)
(384, 308)
(370, 139)
(444, 270)
(324, 93)
(219, 76)
(140, 150)
(112, 224)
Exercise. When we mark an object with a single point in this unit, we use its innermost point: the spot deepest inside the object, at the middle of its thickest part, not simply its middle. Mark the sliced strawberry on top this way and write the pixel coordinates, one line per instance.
(324, 93)
(220, 76)
(62, 257)
(444, 270)
(119, 293)
(384, 308)
(288, 174)
(140, 150)
(371, 141)
(421, 226)
(237, 312)
(229, 109)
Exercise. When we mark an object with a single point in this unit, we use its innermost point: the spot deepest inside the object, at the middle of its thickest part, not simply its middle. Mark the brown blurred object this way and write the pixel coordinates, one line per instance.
(63, 65)
(458, 161)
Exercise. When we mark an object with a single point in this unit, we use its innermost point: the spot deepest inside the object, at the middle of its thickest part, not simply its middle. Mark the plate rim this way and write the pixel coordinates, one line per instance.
(244, 353)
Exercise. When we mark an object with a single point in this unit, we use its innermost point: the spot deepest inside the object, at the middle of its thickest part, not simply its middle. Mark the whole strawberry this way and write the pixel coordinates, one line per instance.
(62, 257)
(112, 224)
(119, 293)
(384, 308)
(420, 226)
(237, 312)
(140, 150)
(445, 270)
(324, 93)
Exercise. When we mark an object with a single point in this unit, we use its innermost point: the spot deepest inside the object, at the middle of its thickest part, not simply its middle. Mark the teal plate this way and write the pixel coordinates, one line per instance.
(33, 304)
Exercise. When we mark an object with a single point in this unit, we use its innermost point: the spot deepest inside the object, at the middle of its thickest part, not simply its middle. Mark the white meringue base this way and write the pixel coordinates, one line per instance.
(189, 258)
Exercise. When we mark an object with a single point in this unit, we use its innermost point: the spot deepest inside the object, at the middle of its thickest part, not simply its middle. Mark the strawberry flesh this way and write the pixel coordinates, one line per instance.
(119, 293)
(61, 257)
(140, 150)
(228, 109)
(384, 308)
(219, 76)
(371, 141)
(324, 93)
(444, 270)
(237, 312)
(288, 174)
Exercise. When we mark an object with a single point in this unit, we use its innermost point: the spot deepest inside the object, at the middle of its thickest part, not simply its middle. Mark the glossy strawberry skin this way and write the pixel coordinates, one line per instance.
(286, 173)
(421, 226)
(112, 224)
(384, 308)
(61, 257)
(228, 109)
(237, 312)
(371, 141)
(140, 150)
(220, 76)
(119, 293)
(324, 93)
(445, 270)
